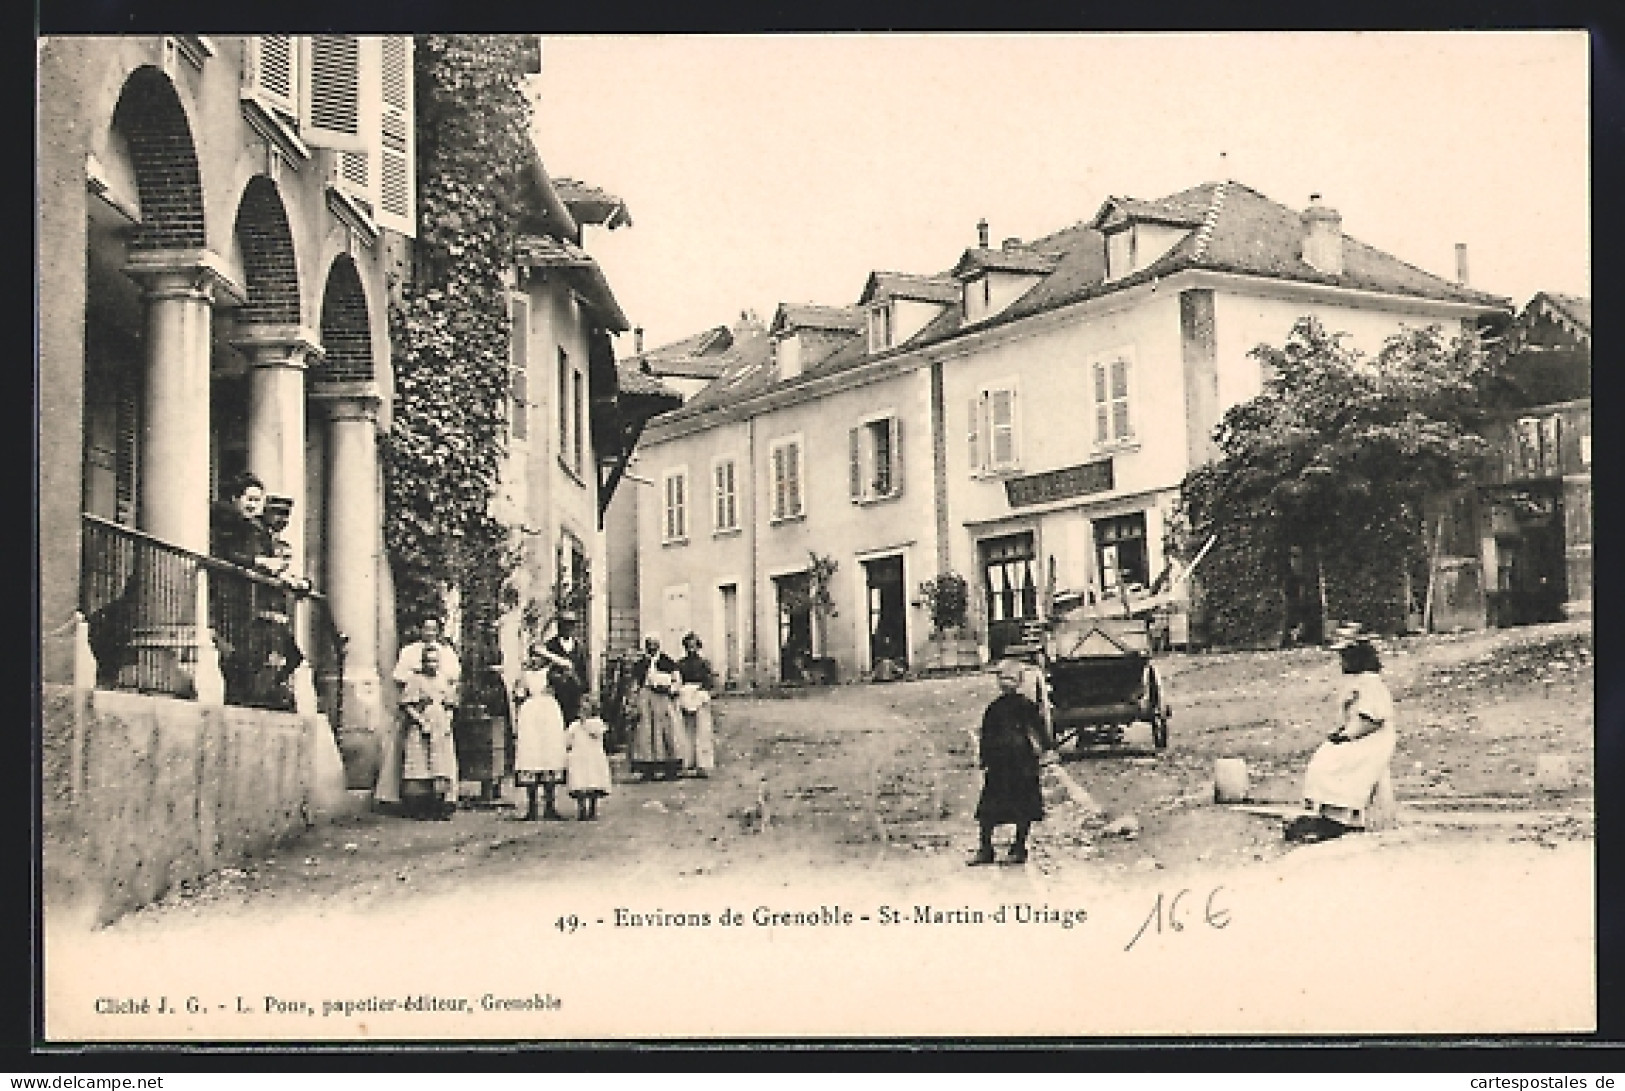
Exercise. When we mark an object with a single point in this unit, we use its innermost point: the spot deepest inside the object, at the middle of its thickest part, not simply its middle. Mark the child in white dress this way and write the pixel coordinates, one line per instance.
(588, 766)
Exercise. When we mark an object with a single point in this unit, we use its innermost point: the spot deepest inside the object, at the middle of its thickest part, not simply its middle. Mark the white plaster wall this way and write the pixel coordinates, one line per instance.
(1056, 423)
(910, 316)
(1242, 321)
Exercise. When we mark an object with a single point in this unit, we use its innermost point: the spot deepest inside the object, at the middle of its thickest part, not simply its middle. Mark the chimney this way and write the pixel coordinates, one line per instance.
(1461, 264)
(981, 234)
(637, 341)
(1012, 243)
(1323, 237)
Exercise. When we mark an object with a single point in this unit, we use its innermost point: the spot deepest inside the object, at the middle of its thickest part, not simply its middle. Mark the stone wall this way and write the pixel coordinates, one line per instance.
(141, 793)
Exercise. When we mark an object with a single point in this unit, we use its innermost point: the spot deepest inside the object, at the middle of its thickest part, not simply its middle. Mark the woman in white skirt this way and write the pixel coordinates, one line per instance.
(539, 754)
(694, 701)
(1347, 785)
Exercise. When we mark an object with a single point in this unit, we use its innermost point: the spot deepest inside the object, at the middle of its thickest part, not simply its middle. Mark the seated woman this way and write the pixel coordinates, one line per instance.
(1347, 785)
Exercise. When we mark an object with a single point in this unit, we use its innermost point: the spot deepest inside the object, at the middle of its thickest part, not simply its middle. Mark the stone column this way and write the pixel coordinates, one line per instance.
(353, 542)
(276, 416)
(181, 290)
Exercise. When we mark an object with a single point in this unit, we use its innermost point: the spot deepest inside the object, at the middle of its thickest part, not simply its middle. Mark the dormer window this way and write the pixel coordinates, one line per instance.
(1120, 253)
(880, 327)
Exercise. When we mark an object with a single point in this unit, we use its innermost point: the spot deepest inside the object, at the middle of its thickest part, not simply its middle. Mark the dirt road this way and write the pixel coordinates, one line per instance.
(865, 793)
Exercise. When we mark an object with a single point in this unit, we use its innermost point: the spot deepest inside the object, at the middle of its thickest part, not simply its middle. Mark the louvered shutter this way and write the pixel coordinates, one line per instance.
(792, 463)
(1002, 426)
(272, 74)
(973, 434)
(896, 456)
(340, 92)
(855, 468)
(519, 361)
(1102, 406)
(778, 482)
(396, 207)
(1120, 421)
(127, 448)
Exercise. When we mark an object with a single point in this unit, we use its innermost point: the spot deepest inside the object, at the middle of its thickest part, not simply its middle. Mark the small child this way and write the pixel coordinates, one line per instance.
(587, 776)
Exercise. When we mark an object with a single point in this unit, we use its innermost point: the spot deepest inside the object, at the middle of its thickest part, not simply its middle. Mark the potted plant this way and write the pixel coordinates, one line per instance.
(947, 598)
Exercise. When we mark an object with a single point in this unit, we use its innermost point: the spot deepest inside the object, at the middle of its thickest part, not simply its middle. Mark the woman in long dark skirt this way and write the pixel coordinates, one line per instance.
(1012, 741)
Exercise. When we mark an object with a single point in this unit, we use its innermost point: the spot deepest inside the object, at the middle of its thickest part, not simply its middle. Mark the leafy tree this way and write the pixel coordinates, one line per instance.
(1335, 457)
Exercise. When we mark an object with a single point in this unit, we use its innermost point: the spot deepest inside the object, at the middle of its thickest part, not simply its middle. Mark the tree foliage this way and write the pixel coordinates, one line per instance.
(1335, 457)
(449, 327)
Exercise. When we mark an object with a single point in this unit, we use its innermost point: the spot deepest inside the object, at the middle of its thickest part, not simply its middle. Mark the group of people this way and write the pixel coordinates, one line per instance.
(671, 725)
(558, 736)
(259, 653)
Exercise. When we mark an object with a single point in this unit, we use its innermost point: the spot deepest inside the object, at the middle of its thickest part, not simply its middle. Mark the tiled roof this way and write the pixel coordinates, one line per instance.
(544, 251)
(1575, 308)
(746, 367)
(591, 205)
(636, 382)
(814, 316)
(933, 289)
(1007, 260)
(1233, 229)
(1184, 209)
(547, 252)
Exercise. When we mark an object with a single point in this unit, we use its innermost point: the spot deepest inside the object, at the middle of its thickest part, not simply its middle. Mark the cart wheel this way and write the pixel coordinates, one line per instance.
(1159, 729)
(1159, 711)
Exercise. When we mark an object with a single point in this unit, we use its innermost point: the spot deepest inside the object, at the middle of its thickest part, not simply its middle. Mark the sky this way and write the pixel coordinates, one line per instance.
(761, 170)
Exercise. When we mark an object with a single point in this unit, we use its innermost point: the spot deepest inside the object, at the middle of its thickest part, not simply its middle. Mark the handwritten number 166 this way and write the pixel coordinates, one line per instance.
(1214, 916)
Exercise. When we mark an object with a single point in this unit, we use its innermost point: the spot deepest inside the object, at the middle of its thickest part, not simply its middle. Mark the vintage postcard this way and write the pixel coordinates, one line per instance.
(815, 536)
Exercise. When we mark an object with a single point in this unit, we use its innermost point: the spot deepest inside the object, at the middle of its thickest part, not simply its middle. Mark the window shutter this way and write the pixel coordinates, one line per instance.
(1102, 408)
(127, 447)
(778, 482)
(272, 72)
(792, 463)
(564, 403)
(1002, 426)
(719, 503)
(519, 361)
(974, 436)
(855, 469)
(896, 456)
(396, 206)
(1120, 422)
(340, 96)
(681, 482)
(578, 430)
(733, 496)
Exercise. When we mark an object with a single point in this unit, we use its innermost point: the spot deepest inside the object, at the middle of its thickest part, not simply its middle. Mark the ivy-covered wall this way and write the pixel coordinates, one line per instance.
(450, 334)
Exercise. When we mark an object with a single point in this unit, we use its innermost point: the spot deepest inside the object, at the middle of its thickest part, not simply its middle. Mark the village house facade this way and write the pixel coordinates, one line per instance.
(573, 423)
(218, 219)
(1515, 547)
(1023, 419)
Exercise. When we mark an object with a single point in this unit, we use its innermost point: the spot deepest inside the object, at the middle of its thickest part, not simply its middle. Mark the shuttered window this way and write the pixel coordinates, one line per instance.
(1111, 388)
(876, 459)
(995, 429)
(564, 403)
(726, 496)
(578, 427)
(676, 522)
(787, 503)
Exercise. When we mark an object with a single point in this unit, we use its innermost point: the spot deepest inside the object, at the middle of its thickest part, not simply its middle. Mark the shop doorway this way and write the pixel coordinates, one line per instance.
(1010, 587)
(794, 594)
(888, 611)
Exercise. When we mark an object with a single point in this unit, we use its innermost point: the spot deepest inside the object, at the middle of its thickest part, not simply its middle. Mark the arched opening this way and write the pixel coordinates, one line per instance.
(155, 201)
